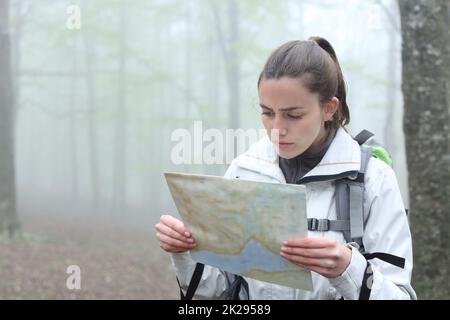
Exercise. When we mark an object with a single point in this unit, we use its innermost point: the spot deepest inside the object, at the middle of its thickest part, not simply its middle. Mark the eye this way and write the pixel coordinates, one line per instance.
(268, 113)
(294, 117)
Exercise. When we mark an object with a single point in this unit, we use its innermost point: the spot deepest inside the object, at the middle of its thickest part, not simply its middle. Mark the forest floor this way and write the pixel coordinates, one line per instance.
(114, 262)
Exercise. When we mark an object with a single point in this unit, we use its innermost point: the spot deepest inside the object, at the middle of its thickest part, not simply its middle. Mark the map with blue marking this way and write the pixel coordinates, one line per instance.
(239, 225)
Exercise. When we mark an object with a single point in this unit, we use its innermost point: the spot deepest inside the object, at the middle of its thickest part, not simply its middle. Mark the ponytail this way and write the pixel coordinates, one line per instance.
(343, 113)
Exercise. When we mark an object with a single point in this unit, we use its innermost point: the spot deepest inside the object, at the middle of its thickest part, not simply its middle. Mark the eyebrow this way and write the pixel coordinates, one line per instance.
(282, 109)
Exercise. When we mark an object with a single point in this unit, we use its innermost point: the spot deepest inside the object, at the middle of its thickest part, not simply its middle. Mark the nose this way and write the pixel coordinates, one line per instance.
(280, 125)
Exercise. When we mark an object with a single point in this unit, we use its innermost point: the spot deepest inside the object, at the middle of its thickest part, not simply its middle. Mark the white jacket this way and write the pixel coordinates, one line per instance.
(386, 227)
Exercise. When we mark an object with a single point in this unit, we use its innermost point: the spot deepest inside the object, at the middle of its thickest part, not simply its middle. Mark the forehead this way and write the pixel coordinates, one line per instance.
(285, 92)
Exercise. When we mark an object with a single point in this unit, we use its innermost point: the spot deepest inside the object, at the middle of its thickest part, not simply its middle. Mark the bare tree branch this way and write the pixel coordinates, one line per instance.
(393, 18)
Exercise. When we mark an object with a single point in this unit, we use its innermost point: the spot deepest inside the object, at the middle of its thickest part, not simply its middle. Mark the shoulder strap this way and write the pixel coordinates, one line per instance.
(378, 150)
(350, 200)
(342, 206)
(356, 200)
(363, 136)
(193, 284)
(349, 195)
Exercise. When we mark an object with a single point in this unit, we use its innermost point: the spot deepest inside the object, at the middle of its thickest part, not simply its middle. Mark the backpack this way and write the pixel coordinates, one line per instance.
(349, 197)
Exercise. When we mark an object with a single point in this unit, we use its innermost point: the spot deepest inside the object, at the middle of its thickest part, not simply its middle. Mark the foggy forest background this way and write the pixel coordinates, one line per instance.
(97, 106)
(94, 107)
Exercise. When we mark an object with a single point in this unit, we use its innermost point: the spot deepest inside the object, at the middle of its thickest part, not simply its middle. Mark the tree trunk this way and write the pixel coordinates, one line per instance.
(8, 216)
(426, 90)
(120, 183)
(390, 137)
(233, 70)
(229, 48)
(16, 52)
(392, 131)
(89, 52)
(73, 193)
(188, 73)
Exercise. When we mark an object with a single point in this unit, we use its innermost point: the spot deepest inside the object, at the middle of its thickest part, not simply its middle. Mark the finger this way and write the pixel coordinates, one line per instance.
(174, 242)
(307, 242)
(175, 224)
(164, 229)
(311, 253)
(169, 248)
(310, 262)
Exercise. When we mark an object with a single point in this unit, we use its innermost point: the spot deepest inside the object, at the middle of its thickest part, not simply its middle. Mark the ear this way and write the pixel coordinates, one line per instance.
(331, 108)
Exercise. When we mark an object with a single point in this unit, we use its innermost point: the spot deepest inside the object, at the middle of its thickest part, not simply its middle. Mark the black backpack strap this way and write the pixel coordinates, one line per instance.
(386, 257)
(193, 284)
(328, 225)
(234, 290)
(363, 136)
(367, 282)
(366, 286)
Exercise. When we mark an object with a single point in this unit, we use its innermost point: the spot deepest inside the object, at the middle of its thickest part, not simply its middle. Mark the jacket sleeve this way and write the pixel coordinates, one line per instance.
(214, 282)
(386, 230)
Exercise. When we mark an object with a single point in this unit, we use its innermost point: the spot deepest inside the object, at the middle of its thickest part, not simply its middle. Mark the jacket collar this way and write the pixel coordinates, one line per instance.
(343, 158)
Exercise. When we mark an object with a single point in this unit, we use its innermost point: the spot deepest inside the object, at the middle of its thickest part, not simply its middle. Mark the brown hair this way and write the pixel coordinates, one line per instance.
(315, 63)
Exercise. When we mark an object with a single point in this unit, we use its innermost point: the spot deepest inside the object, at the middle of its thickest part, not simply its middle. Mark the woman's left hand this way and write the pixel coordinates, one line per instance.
(322, 255)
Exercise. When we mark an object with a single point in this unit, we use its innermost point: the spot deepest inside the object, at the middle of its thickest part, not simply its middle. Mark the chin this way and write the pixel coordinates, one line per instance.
(287, 155)
(290, 153)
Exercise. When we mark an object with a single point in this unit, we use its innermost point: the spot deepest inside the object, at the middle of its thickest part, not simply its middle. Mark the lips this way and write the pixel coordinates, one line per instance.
(284, 144)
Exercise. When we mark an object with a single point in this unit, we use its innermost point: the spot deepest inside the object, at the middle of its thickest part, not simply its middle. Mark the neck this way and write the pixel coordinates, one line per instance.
(321, 139)
(295, 168)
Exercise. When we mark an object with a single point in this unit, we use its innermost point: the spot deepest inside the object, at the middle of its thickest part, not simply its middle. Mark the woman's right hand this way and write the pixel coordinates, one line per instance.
(173, 236)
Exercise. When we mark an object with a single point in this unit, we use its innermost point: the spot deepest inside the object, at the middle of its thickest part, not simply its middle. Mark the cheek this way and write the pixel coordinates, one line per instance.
(308, 130)
(313, 123)
(266, 123)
